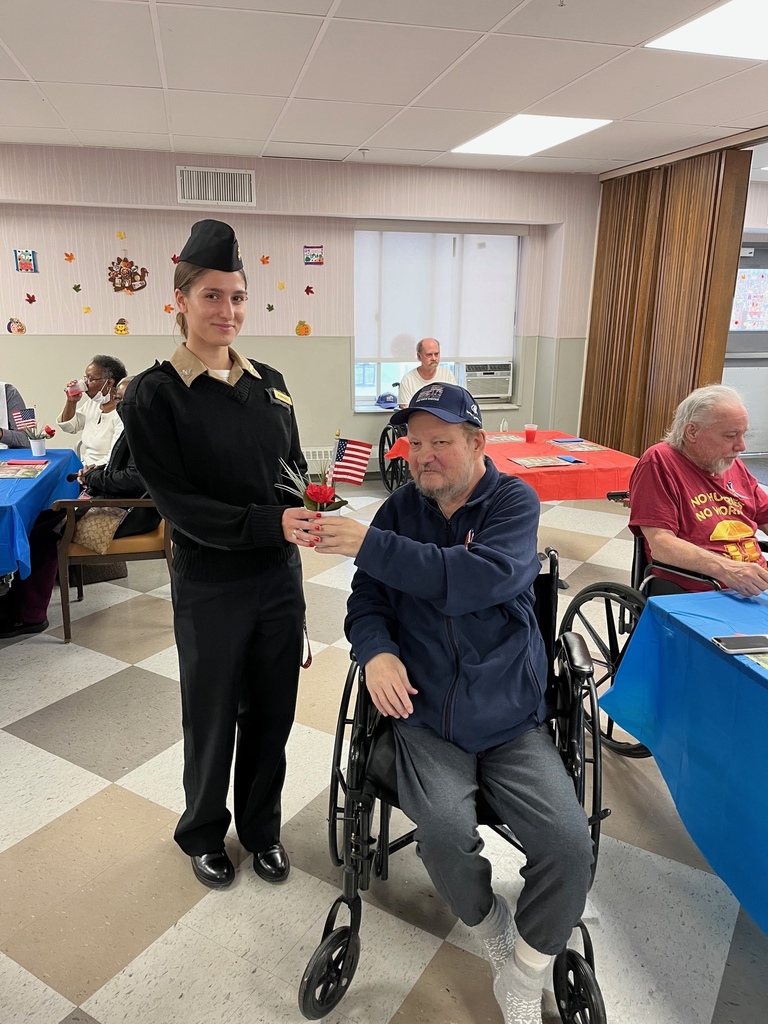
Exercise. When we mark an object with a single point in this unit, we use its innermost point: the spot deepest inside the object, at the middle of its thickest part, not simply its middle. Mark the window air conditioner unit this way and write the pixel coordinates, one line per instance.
(488, 380)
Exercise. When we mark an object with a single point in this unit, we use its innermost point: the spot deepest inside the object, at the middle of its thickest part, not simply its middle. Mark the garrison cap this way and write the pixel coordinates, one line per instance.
(212, 245)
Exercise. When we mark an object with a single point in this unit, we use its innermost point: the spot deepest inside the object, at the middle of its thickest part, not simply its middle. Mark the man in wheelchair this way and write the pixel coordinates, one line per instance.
(695, 502)
(441, 618)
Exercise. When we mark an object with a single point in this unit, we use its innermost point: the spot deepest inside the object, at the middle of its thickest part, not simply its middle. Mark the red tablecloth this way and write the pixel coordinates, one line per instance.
(603, 471)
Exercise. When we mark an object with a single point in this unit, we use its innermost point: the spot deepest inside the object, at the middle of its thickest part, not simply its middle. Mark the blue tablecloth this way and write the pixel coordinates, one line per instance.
(704, 715)
(22, 501)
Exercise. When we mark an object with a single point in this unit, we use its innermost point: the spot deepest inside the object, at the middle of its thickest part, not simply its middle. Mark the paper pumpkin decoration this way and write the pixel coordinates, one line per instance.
(303, 329)
(15, 326)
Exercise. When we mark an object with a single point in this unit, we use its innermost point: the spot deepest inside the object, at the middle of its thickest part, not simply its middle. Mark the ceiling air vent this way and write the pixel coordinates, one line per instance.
(213, 186)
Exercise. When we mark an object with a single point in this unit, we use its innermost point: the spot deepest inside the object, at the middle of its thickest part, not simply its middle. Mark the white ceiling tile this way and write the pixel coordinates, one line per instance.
(479, 15)
(563, 165)
(82, 41)
(634, 81)
(391, 156)
(258, 54)
(103, 107)
(7, 68)
(471, 161)
(603, 21)
(508, 73)
(97, 78)
(758, 120)
(37, 136)
(380, 63)
(430, 128)
(302, 151)
(633, 140)
(720, 103)
(217, 147)
(319, 7)
(22, 105)
(123, 140)
(331, 123)
(222, 116)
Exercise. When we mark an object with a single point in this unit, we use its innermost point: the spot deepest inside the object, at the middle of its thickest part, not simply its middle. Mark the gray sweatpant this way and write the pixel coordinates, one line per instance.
(526, 784)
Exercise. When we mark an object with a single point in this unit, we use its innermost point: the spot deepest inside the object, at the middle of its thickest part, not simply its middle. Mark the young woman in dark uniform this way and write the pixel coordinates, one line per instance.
(207, 429)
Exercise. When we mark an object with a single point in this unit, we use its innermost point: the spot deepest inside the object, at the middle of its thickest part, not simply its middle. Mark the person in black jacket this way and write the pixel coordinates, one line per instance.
(24, 609)
(119, 478)
(209, 429)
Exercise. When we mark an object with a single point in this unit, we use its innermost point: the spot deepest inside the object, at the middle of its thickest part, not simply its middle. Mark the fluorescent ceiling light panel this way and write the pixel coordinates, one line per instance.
(529, 133)
(738, 29)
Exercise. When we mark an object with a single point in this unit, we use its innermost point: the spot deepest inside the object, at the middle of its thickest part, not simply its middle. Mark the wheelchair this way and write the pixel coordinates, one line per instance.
(606, 615)
(370, 776)
(394, 472)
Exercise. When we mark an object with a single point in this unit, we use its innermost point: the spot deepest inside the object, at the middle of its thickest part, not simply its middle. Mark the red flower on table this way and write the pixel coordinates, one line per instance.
(49, 431)
(321, 494)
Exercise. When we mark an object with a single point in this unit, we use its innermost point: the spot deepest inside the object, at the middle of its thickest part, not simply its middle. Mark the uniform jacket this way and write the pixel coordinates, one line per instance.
(453, 599)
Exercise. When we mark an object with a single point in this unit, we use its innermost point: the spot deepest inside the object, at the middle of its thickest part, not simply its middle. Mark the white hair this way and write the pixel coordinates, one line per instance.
(700, 408)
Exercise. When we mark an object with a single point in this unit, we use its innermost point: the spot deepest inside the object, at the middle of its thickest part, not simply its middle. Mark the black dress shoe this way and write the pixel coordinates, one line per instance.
(272, 864)
(20, 628)
(214, 869)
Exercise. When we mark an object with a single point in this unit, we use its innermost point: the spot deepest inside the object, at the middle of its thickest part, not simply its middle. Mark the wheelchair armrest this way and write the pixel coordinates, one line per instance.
(576, 654)
(675, 570)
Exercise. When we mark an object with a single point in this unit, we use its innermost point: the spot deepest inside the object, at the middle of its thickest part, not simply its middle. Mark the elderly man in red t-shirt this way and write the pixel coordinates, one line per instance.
(695, 502)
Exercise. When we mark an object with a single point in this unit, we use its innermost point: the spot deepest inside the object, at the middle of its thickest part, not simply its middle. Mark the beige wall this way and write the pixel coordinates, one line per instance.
(318, 374)
(57, 200)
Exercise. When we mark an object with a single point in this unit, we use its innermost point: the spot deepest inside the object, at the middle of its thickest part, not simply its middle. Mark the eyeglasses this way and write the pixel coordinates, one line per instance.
(92, 380)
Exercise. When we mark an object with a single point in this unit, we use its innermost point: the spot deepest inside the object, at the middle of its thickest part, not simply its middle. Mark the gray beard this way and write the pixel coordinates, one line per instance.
(721, 466)
(448, 493)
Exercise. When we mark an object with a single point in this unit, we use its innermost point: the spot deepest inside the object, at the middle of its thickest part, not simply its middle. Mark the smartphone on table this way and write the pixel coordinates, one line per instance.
(755, 644)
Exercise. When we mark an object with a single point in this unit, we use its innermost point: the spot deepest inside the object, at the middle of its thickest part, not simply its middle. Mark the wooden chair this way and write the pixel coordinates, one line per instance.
(156, 544)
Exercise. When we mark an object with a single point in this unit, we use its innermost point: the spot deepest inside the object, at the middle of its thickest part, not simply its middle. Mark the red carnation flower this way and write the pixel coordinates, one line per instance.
(49, 431)
(321, 494)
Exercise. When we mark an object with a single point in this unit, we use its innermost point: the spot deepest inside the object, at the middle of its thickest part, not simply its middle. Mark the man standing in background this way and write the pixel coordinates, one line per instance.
(430, 371)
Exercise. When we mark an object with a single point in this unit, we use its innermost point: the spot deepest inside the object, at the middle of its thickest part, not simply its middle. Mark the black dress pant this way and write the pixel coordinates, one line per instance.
(240, 647)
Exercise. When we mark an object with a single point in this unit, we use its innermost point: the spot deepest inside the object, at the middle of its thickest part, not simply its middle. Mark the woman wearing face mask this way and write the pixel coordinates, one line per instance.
(24, 609)
(97, 417)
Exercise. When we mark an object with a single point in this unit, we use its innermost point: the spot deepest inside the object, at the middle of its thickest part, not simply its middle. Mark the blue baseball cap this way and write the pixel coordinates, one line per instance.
(387, 401)
(448, 402)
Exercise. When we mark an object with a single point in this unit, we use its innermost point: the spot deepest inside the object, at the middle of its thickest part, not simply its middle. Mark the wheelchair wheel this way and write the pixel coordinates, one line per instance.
(605, 614)
(578, 995)
(336, 809)
(329, 973)
(394, 472)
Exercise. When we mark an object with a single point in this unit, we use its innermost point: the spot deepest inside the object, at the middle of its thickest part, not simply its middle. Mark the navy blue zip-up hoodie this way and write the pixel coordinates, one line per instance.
(453, 600)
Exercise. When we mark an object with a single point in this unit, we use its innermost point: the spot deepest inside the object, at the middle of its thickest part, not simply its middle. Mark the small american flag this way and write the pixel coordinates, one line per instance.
(25, 419)
(350, 461)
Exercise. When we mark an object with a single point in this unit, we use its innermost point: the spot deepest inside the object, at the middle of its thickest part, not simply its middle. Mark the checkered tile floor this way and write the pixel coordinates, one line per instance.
(102, 921)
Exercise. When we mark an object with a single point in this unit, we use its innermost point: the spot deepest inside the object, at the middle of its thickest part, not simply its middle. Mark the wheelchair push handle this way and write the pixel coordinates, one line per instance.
(620, 496)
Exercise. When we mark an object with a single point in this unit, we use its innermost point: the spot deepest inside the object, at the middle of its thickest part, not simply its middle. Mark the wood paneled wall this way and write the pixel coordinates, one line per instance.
(665, 269)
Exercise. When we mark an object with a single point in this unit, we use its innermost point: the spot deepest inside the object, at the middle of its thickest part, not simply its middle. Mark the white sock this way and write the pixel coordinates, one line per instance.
(518, 989)
(528, 956)
(497, 930)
